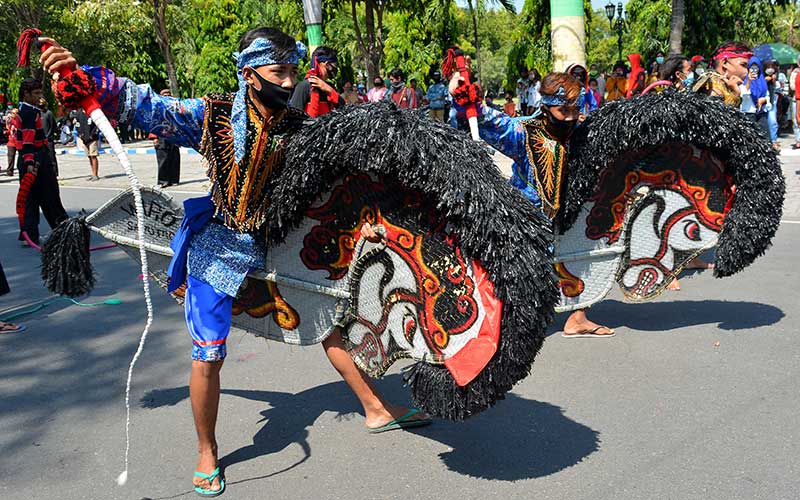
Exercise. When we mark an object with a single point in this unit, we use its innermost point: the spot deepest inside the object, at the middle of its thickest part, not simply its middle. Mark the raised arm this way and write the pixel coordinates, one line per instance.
(502, 132)
(122, 100)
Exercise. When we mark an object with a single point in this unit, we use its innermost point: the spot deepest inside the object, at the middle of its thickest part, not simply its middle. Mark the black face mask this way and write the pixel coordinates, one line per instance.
(270, 94)
(562, 129)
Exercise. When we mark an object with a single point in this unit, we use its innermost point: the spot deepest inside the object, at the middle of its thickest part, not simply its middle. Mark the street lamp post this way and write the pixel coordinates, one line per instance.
(617, 24)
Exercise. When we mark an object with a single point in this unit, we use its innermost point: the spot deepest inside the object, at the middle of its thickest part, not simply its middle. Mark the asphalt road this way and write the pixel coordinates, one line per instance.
(695, 398)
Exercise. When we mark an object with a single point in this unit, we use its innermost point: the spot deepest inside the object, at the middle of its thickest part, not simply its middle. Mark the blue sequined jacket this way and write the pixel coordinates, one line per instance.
(209, 251)
(508, 135)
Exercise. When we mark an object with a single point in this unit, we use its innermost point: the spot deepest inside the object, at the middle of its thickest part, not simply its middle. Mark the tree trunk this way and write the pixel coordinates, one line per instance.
(676, 31)
(159, 20)
(372, 56)
(791, 37)
(475, 37)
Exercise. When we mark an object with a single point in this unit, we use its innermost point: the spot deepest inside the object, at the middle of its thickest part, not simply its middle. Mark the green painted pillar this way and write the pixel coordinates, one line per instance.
(568, 33)
(312, 12)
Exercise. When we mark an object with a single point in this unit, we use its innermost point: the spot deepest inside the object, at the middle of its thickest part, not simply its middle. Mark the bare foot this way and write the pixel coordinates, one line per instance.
(385, 415)
(585, 327)
(206, 463)
(6, 327)
(674, 285)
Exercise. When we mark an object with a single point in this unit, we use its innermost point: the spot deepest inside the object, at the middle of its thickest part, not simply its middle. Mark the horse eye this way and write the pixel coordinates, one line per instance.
(692, 230)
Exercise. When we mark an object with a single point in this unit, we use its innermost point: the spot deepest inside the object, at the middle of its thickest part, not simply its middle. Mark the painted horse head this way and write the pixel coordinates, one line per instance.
(680, 197)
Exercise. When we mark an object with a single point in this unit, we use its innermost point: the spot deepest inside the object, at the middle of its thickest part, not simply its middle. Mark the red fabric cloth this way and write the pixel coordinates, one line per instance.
(469, 362)
(797, 86)
(25, 186)
(405, 99)
(318, 106)
(636, 72)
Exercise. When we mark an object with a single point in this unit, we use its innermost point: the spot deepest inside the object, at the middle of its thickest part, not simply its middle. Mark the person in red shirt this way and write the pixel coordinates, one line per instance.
(314, 94)
(403, 96)
(33, 156)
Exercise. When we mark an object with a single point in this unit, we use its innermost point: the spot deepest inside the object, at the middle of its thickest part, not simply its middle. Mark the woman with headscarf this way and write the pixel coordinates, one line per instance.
(755, 94)
(587, 101)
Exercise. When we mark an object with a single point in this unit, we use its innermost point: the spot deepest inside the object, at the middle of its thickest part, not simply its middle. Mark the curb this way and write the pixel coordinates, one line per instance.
(132, 151)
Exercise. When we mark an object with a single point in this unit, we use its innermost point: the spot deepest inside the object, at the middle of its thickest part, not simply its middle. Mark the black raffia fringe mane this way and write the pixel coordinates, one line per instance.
(494, 222)
(66, 269)
(627, 125)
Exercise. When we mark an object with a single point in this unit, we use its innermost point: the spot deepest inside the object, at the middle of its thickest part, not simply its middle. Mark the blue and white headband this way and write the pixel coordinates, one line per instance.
(259, 53)
(557, 99)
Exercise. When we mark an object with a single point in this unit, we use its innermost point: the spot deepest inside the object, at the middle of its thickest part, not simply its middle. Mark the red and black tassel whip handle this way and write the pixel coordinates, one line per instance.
(75, 87)
(456, 61)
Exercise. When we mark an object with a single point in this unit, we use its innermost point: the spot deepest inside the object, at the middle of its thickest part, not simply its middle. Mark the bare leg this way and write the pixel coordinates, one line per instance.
(698, 263)
(376, 410)
(204, 393)
(94, 164)
(578, 323)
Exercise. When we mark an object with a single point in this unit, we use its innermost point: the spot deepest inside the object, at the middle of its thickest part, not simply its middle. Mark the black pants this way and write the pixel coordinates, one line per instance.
(169, 163)
(51, 144)
(4, 289)
(44, 195)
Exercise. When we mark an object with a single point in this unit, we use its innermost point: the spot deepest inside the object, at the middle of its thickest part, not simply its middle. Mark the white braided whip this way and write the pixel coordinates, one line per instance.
(111, 135)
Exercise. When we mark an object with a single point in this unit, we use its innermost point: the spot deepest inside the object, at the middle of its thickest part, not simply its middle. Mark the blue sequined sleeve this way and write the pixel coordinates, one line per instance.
(508, 136)
(179, 120)
(502, 132)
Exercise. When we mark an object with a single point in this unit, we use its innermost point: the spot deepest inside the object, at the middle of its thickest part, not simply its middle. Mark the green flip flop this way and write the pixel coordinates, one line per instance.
(210, 493)
(401, 423)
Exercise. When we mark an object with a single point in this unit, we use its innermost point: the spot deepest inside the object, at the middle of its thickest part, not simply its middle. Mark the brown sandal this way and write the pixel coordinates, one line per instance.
(585, 334)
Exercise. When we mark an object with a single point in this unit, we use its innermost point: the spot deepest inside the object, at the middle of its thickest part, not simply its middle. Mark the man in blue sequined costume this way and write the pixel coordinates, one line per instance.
(242, 137)
(538, 145)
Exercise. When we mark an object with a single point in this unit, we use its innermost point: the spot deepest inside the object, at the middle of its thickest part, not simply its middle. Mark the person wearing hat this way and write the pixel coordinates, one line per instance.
(437, 98)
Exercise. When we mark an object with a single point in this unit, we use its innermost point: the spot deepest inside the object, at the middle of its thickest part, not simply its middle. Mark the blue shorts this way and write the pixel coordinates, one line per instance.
(208, 316)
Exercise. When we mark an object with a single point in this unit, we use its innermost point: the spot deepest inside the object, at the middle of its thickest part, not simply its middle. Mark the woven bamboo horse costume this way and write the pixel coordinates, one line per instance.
(461, 282)
(652, 182)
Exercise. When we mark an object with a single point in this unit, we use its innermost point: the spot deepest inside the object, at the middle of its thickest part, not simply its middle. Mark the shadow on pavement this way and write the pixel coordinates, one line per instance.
(657, 316)
(661, 316)
(518, 439)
